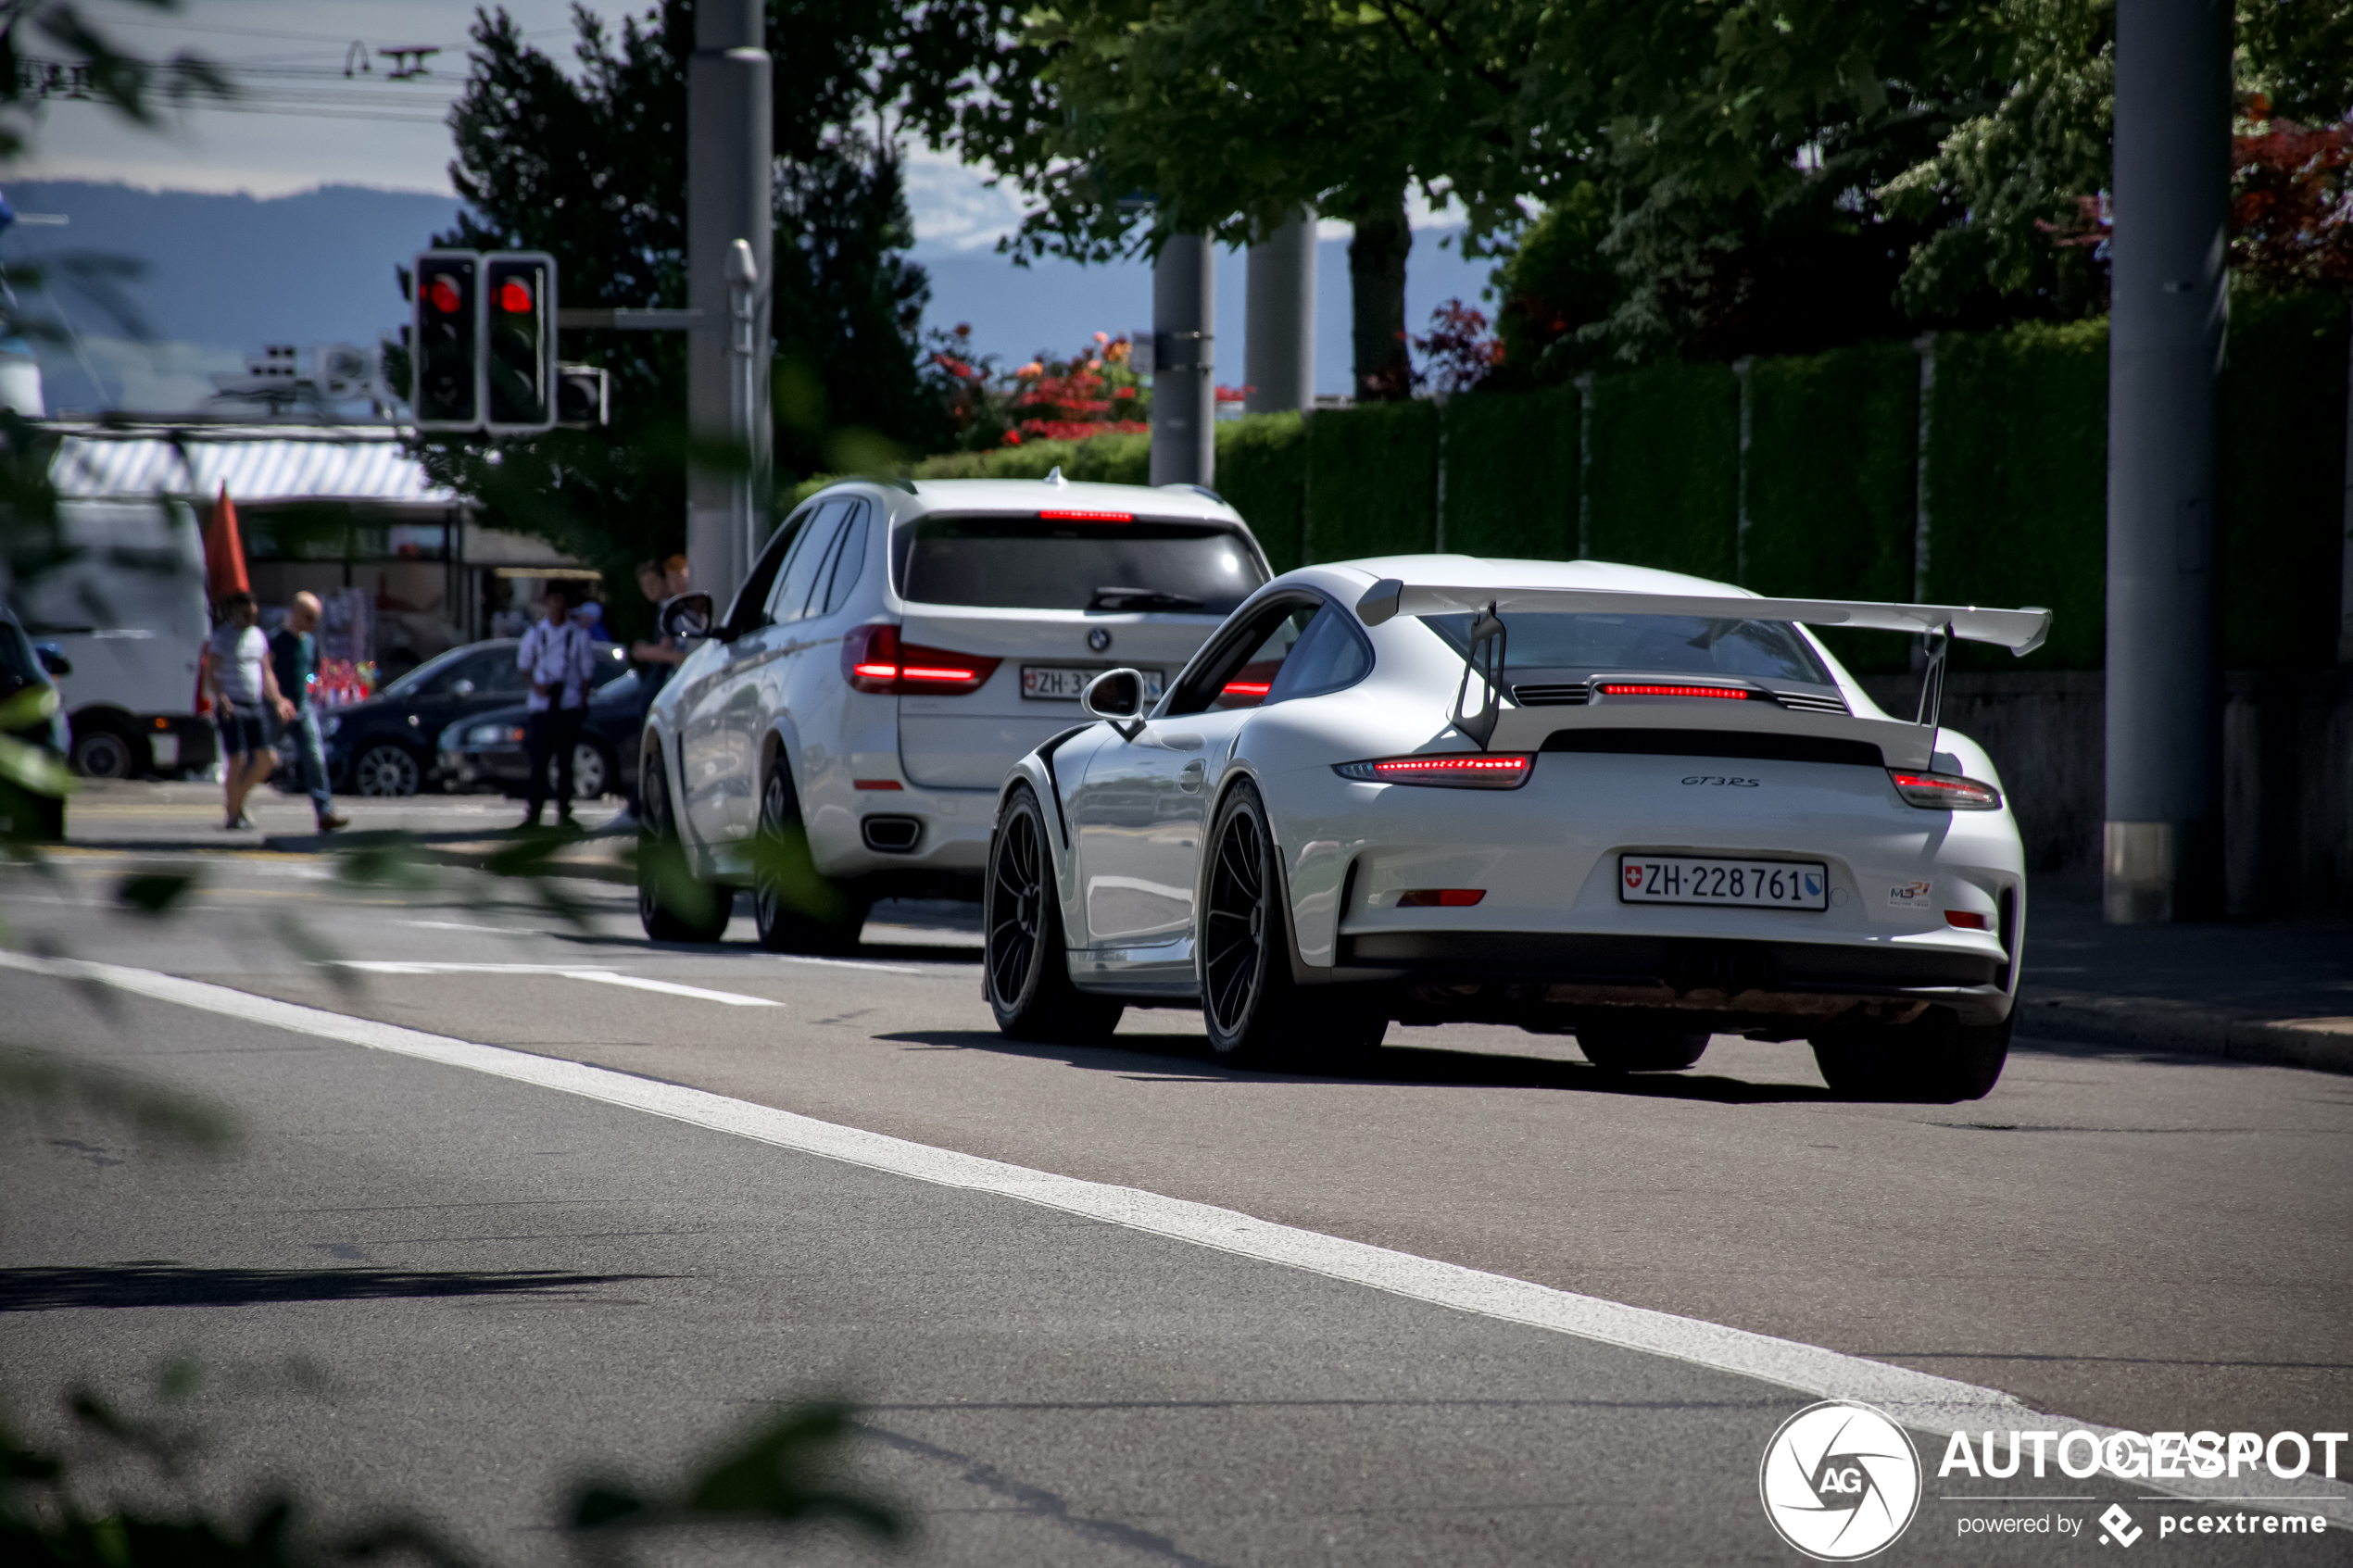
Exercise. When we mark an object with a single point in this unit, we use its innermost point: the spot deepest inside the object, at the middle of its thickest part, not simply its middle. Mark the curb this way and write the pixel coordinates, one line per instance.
(2323, 1045)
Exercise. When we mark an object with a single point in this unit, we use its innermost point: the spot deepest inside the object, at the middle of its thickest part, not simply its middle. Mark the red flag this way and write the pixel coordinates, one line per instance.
(224, 552)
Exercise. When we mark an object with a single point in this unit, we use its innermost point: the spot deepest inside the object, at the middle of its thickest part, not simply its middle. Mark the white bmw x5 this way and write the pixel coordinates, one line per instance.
(895, 649)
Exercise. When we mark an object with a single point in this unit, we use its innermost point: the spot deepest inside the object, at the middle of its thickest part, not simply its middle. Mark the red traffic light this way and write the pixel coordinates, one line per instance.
(514, 298)
(443, 295)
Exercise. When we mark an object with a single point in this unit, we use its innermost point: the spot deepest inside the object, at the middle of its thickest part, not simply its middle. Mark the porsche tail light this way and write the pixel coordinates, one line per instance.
(1474, 770)
(1439, 898)
(1967, 919)
(1944, 791)
(873, 659)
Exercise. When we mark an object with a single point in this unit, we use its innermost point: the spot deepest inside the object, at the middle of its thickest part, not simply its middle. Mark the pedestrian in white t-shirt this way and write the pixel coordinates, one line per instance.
(245, 700)
(557, 659)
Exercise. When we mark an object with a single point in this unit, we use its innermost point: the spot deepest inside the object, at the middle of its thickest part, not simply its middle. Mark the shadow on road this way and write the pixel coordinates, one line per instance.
(168, 1284)
(1189, 1058)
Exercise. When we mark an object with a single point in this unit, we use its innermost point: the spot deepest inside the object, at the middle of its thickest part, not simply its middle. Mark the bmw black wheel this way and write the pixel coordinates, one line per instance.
(674, 905)
(1257, 1015)
(1025, 969)
(795, 908)
(386, 771)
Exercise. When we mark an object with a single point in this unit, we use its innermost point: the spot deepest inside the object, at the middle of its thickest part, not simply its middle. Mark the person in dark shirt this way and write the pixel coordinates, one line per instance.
(294, 655)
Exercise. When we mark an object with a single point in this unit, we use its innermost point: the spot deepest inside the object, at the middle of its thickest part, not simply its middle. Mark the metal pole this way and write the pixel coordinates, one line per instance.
(1279, 344)
(1184, 392)
(2162, 841)
(743, 278)
(728, 170)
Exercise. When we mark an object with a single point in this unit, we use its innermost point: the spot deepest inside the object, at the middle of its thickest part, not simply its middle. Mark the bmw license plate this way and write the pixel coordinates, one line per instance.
(1057, 683)
(1756, 885)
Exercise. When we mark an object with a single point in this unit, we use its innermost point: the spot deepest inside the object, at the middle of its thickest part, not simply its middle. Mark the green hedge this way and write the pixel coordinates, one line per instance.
(1663, 478)
(1372, 481)
(1833, 480)
(1511, 474)
(2018, 485)
(2281, 482)
(1262, 471)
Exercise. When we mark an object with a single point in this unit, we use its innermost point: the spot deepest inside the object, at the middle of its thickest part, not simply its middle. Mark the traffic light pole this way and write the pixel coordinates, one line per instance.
(728, 163)
(2162, 839)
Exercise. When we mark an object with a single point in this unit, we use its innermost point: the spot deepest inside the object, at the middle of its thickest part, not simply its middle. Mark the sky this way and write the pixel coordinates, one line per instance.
(320, 110)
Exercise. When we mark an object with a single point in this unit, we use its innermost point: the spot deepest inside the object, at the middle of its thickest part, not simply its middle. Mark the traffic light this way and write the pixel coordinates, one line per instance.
(446, 353)
(519, 334)
(584, 396)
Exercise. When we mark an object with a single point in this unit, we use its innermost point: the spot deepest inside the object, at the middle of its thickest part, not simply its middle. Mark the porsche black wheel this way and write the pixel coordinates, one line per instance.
(674, 905)
(1025, 972)
(1255, 1013)
(794, 909)
(1936, 1060)
(1642, 1050)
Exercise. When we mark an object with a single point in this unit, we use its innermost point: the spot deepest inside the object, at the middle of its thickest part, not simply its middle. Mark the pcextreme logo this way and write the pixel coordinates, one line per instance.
(1840, 1480)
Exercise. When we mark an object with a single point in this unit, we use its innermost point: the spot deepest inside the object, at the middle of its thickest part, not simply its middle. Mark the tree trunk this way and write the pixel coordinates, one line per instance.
(1377, 287)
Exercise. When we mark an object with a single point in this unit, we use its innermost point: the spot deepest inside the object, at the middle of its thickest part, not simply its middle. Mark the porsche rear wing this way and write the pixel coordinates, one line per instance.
(1762, 724)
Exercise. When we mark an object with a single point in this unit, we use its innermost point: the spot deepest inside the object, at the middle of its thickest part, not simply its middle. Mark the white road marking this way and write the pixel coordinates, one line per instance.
(460, 925)
(564, 972)
(1918, 1399)
(850, 963)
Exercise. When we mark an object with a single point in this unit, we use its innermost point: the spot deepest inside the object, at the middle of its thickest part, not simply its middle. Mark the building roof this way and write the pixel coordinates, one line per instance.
(257, 464)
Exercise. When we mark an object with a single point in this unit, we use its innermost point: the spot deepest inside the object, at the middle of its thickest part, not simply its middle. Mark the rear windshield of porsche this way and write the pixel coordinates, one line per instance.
(1037, 563)
(1649, 645)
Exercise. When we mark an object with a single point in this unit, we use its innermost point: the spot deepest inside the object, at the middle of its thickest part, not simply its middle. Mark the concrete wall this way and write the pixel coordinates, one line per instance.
(2288, 779)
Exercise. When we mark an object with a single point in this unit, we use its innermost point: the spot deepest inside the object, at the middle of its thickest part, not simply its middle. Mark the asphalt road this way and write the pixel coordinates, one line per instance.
(2143, 1242)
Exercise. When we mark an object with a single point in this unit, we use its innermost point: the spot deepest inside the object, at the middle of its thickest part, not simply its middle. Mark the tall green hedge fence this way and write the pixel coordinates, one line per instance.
(1968, 468)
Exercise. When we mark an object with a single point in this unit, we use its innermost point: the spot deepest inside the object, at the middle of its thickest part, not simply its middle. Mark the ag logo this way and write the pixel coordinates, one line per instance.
(1840, 1480)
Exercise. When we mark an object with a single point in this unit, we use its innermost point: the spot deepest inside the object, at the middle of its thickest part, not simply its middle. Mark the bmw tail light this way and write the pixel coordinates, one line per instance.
(1944, 791)
(1477, 770)
(873, 659)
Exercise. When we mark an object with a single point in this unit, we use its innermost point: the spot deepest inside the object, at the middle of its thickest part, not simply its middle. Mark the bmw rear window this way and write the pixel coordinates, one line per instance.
(1035, 564)
(1649, 645)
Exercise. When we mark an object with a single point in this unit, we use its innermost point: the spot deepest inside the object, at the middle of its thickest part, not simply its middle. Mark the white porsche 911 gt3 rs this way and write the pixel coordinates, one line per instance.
(1628, 805)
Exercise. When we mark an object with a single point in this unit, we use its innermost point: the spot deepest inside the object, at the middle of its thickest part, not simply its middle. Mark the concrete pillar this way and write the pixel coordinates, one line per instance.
(1184, 387)
(2162, 840)
(728, 165)
(1279, 348)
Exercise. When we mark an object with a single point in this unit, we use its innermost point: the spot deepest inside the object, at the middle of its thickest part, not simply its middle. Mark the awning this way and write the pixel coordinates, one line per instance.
(256, 467)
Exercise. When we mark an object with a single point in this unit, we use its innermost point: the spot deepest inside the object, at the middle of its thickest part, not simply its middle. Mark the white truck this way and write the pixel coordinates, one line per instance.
(126, 604)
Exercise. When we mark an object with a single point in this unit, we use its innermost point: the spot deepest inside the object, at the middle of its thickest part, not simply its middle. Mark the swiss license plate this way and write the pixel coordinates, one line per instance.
(1058, 683)
(1761, 884)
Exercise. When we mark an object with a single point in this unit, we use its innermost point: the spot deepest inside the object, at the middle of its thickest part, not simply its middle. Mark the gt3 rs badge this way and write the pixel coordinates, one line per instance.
(1905, 894)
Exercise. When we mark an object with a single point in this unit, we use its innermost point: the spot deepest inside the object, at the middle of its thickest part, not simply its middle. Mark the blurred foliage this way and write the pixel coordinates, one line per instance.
(126, 1494)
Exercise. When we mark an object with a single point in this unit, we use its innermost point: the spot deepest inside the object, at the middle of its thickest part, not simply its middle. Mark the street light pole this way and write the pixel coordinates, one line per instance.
(2162, 839)
(728, 174)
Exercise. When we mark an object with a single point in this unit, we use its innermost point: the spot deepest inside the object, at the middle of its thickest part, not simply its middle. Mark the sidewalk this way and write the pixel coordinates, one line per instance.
(2275, 993)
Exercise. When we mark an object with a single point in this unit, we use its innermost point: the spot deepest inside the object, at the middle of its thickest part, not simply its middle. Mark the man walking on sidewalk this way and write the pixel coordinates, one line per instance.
(245, 700)
(558, 664)
(294, 658)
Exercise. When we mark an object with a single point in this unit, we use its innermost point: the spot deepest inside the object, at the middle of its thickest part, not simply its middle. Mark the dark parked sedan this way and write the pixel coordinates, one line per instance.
(488, 747)
(385, 746)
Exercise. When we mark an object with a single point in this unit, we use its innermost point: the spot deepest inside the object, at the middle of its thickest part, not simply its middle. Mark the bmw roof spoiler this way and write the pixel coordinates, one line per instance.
(2020, 631)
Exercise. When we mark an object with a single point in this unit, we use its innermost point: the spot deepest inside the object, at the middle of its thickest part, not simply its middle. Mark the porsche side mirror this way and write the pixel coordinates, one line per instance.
(1114, 694)
(687, 616)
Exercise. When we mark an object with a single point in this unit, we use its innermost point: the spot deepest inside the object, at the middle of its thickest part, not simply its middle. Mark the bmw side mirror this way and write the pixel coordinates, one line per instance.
(687, 616)
(1116, 695)
(53, 659)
